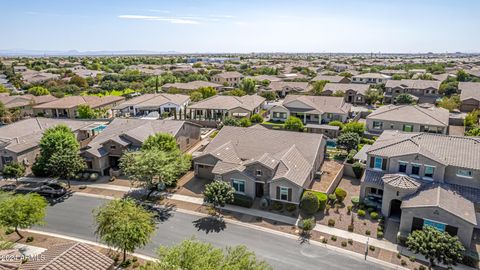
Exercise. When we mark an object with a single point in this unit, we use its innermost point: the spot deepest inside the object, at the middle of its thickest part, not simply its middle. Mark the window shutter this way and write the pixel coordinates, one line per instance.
(289, 194)
(278, 193)
(372, 162)
(384, 164)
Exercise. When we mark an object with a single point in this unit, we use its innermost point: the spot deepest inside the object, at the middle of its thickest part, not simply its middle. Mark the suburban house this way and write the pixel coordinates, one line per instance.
(66, 107)
(312, 109)
(261, 78)
(103, 153)
(145, 104)
(283, 88)
(408, 118)
(218, 107)
(190, 86)
(469, 96)
(24, 103)
(32, 76)
(230, 78)
(260, 162)
(19, 140)
(371, 78)
(332, 79)
(354, 93)
(83, 72)
(425, 179)
(424, 91)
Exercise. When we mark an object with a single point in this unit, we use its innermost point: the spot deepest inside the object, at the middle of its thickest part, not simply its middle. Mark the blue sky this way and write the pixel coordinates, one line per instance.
(242, 25)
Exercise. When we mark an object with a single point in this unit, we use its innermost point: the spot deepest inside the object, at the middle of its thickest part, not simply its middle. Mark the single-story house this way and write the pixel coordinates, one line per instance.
(260, 162)
(332, 79)
(469, 96)
(283, 88)
(24, 103)
(191, 86)
(103, 153)
(162, 103)
(312, 109)
(408, 118)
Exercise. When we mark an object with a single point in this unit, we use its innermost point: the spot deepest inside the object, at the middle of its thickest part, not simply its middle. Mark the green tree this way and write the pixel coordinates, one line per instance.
(230, 121)
(436, 246)
(474, 132)
(38, 91)
(218, 193)
(245, 122)
(192, 254)
(248, 85)
(14, 170)
(355, 127)
(372, 96)
(404, 98)
(86, 112)
(348, 141)
(256, 118)
(471, 119)
(207, 92)
(59, 154)
(450, 103)
(3, 89)
(161, 141)
(79, 81)
(449, 87)
(336, 123)
(22, 211)
(3, 111)
(294, 123)
(462, 76)
(309, 203)
(196, 96)
(124, 225)
(338, 93)
(269, 95)
(317, 87)
(237, 93)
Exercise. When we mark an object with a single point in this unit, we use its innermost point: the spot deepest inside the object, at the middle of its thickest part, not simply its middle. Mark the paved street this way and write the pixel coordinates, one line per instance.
(73, 217)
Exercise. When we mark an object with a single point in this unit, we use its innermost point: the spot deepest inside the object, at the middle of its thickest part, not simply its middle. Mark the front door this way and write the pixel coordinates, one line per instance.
(259, 189)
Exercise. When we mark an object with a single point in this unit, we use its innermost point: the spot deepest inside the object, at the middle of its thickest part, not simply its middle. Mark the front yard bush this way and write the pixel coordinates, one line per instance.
(309, 203)
(357, 168)
(322, 200)
(242, 200)
(350, 156)
(361, 213)
(331, 222)
(379, 235)
(277, 206)
(355, 201)
(291, 207)
(374, 215)
(340, 194)
(332, 198)
(308, 224)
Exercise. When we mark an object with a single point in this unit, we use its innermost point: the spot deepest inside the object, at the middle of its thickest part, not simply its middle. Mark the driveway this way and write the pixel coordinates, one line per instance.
(73, 217)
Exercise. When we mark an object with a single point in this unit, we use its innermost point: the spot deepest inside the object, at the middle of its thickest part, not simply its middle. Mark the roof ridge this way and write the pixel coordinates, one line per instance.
(59, 255)
(423, 110)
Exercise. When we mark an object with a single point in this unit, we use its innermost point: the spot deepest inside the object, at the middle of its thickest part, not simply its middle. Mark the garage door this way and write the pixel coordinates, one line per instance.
(204, 171)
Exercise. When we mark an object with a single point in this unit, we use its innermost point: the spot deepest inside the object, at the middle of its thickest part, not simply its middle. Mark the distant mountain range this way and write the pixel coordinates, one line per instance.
(20, 52)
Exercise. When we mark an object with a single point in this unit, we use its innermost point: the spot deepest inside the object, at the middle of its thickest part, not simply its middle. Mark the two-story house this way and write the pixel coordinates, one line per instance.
(354, 93)
(425, 91)
(103, 153)
(408, 118)
(230, 78)
(371, 78)
(312, 109)
(282, 88)
(260, 162)
(425, 179)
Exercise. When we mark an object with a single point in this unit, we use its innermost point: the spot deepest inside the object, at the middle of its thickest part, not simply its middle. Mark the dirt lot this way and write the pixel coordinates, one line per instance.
(330, 169)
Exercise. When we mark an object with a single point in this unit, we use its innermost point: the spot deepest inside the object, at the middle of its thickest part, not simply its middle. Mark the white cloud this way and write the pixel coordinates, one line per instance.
(173, 20)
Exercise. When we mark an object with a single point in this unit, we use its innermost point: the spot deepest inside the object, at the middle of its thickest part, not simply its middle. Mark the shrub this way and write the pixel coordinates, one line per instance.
(309, 203)
(308, 224)
(422, 267)
(350, 228)
(350, 156)
(399, 255)
(348, 141)
(344, 243)
(294, 123)
(370, 210)
(350, 241)
(349, 209)
(333, 238)
(357, 168)
(412, 258)
(355, 200)
(324, 240)
(331, 222)
(256, 118)
(332, 198)
(367, 232)
(277, 206)
(242, 200)
(361, 213)
(291, 207)
(327, 208)
(322, 200)
(94, 176)
(403, 262)
(372, 248)
(9, 231)
(379, 229)
(29, 239)
(374, 215)
(340, 194)
(379, 234)
(336, 123)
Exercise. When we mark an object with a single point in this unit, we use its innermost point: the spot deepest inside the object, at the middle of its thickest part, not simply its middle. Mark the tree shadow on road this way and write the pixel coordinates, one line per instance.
(210, 224)
(164, 212)
(53, 201)
(304, 237)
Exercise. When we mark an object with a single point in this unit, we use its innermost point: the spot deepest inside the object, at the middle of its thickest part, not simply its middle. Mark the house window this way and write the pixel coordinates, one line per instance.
(429, 171)
(464, 173)
(329, 115)
(284, 193)
(377, 125)
(378, 163)
(402, 167)
(239, 185)
(407, 128)
(113, 147)
(7, 160)
(258, 172)
(416, 169)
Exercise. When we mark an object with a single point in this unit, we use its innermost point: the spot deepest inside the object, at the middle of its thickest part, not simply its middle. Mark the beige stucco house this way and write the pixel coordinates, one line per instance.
(425, 179)
(354, 93)
(229, 78)
(469, 96)
(424, 91)
(260, 162)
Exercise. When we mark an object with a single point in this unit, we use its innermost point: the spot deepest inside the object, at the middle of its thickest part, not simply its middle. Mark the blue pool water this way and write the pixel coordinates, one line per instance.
(331, 144)
(100, 128)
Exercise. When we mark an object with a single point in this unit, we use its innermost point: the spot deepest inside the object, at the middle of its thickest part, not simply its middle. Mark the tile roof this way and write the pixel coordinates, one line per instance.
(74, 101)
(469, 90)
(463, 152)
(194, 85)
(24, 100)
(229, 74)
(401, 181)
(322, 104)
(413, 84)
(71, 256)
(296, 86)
(248, 102)
(418, 114)
(344, 87)
(332, 79)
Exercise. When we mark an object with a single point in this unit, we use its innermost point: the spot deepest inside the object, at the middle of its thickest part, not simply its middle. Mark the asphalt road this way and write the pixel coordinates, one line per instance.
(73, 217)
